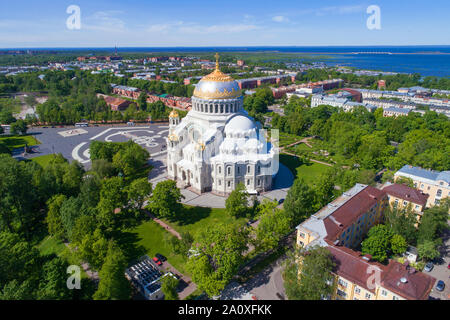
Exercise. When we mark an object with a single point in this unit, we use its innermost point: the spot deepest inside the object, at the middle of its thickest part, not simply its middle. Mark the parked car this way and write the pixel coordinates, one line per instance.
(440, 285)
(448, 267)
(157, 261)
(161, 257)
(428, 267)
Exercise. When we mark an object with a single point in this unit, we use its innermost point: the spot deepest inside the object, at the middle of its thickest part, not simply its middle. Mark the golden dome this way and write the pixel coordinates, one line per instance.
(200, 146)
(174, 114)
(173, 137)
(217, 85)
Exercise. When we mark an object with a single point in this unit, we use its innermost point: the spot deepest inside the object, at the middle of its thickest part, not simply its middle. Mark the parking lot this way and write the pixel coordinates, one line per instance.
(440, 270)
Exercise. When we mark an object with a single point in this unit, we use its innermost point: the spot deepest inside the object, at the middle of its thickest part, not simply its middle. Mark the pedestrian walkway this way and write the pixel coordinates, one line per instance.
(163, 224)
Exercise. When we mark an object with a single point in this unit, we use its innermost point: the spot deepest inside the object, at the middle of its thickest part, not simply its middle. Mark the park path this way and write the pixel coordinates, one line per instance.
(305, 141)
(164, 225)
(93, 275)
(310, 159)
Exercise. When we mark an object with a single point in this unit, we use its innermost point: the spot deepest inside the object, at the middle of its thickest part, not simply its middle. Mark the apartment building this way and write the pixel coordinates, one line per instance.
(401, 196)
(359, 278)
(434, 183)
(340, 227)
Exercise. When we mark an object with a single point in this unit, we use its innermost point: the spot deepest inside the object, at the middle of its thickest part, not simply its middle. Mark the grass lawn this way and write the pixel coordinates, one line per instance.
(149, 238)
(195, 219)
(43, 160)
(51, 245)
(309, 173)
(14, 142)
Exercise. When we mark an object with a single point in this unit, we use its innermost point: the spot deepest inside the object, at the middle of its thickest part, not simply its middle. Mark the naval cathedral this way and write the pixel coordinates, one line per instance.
(218, 145)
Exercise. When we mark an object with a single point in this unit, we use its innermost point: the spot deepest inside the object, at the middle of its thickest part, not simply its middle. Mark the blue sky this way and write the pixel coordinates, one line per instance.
(26, 23)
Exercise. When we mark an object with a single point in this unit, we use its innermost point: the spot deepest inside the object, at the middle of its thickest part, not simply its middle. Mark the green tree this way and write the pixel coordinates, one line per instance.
(402, 222)
(378, 243)
(54, 222)
(273, 225)
(94, 248)
(220, 253)
(299, 203)
(52, 285)
(103, 168)
(398, 244)
(139, 191)
(169, 288)
(113, 285)
(112, 196)
(237, 202)
(19, 126)
(307, 274)
(165, 199)
(130, 159)
(427, 250)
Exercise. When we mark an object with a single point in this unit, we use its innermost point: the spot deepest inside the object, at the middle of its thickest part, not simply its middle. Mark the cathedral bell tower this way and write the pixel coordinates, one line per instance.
(174, 120)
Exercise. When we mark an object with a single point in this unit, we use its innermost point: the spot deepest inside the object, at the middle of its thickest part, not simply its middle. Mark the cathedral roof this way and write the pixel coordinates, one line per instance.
(217, 85)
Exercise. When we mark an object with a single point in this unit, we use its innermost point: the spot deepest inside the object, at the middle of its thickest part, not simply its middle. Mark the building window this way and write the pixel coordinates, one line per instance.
(405, 203)
(342, 283)
(229, 171)
(394, 298)
(302, 235)
(220, 182)
(220, 169)
(248, 169)
(341, 293)
(368, 295)
(437, 201)
(259, 169)
(259, 182)
(422, 186)
(384, 293)
(439, 193)
(357, 290)
(248, 182)
(229, 184)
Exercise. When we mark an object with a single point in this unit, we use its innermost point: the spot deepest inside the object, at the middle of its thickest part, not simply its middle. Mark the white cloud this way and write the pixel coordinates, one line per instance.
(280, 19)
(105, 21)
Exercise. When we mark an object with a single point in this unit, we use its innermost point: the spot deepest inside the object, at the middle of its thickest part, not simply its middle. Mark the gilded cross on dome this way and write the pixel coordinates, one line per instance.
(217, 60)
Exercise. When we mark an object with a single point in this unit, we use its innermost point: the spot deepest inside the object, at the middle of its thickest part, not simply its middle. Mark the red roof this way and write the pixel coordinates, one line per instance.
(406, 193)
(417, 286)
(350, 211)
(352, 266)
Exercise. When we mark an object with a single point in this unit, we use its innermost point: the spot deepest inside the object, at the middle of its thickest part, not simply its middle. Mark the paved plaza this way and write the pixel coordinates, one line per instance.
(73, 143)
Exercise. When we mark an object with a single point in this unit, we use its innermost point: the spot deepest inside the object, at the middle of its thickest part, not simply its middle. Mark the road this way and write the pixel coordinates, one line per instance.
(263, 286)
(440, 270)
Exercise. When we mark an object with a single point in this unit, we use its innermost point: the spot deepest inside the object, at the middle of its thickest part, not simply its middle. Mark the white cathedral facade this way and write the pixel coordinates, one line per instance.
(217, 145)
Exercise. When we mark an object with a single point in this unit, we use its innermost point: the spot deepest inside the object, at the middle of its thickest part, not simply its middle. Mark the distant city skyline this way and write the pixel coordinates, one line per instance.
(201, 23)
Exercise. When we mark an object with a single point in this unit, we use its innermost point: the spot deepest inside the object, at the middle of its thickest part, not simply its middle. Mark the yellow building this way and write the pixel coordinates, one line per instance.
(359, 278)
(434, 183)
(340, 227)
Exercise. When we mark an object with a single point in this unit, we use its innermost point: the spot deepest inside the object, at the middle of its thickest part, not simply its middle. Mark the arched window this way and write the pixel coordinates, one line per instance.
(229, 171)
